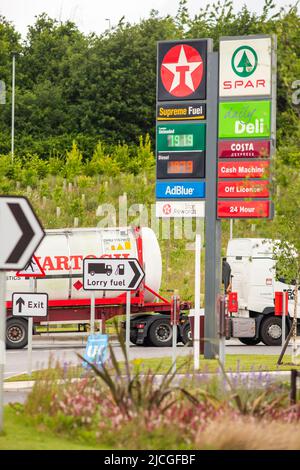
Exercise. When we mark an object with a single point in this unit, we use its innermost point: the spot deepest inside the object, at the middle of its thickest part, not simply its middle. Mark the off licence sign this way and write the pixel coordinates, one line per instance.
(243, 188)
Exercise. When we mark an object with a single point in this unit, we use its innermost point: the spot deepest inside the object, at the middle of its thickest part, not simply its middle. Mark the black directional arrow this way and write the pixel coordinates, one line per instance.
(20, 302)
(27, 233)
(138, 275)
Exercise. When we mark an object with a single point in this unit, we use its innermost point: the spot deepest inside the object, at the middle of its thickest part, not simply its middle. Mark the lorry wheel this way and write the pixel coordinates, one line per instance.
(133, 336)
(16, 333)
(187, 335)
(160, 333)
(250, 341)
(270, 331)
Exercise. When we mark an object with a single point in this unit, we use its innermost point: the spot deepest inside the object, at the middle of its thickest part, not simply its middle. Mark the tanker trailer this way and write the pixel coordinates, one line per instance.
(61, 255)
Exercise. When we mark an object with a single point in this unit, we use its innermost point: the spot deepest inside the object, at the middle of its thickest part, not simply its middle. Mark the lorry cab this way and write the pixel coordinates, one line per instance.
(254, 279)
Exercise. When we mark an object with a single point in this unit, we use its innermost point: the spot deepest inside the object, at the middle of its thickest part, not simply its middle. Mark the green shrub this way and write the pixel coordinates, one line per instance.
(73, 162)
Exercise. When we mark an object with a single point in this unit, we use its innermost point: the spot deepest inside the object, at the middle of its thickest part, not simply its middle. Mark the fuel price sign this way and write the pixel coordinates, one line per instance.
(180, 165)
(181, 137)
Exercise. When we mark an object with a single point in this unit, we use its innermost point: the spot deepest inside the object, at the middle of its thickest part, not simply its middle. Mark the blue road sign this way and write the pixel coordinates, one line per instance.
(180, 190)
(96, 350)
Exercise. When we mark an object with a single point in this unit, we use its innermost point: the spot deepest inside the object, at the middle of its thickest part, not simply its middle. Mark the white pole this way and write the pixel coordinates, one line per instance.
(284, 308)
(231, 229)
(174, 344)
(222, 338)
(13, 107)
(128, 299)
(197, 299)
(2, 340)
(30, 325)
(92, 319)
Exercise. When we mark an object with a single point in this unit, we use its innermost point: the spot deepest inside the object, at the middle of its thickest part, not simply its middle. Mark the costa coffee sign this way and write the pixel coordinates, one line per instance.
(241, 169)
(244, 149)
(243, 209)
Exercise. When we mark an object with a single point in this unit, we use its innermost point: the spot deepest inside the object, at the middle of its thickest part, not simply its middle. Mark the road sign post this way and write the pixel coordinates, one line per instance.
(116, 274)
(20, 234)
(175, 312)
(92, 316)
(127, 330)
(212, 226)
(196, 339)
(2, 340)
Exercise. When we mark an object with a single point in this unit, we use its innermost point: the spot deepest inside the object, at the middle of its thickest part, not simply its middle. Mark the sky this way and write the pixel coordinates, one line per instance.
(97, 15)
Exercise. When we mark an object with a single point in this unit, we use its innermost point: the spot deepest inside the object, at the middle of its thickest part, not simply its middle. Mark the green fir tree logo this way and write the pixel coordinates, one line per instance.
(244, 61)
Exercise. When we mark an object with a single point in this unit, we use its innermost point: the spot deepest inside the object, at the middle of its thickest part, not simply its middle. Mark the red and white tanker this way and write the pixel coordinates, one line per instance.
(61, 255)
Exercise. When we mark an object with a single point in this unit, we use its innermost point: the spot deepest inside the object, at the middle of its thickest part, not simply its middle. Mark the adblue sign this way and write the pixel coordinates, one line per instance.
(245, 119)
(180, 190)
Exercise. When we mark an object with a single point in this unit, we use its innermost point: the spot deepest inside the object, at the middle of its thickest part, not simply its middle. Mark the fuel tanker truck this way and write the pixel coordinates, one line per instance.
(60, 259)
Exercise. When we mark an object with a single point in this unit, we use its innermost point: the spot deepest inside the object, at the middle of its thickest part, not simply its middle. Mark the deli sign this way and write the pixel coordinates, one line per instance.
(245, 67)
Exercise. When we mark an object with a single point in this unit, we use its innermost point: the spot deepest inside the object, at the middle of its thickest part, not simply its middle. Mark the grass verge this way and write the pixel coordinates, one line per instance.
(234, 363)
(20, 434)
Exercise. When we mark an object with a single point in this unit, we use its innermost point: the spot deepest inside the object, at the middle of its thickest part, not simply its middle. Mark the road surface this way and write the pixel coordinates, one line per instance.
(46, 352)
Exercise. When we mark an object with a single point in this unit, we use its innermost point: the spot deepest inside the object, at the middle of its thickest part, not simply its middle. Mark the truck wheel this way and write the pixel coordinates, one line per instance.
(187, 335)
(160, 333)
(133, 336)
(270, 331)
(16, 333)
(250, 341)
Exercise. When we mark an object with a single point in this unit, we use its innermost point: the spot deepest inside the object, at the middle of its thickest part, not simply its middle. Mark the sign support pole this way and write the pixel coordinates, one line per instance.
(213, 226)
(284, 309)
(174, 344)
(2, 340)
(30, 325)
(128, 305)
(197, 297)
(92, 320)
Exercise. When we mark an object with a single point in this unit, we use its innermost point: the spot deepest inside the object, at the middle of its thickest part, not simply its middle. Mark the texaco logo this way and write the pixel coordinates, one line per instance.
(167, 209)
(182, 70)
(244, 61)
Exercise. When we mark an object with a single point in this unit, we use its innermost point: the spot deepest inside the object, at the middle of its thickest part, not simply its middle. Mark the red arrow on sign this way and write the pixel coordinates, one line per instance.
(32, 269)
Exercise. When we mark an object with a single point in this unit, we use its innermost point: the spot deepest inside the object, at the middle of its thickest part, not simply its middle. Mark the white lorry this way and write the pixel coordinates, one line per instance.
(254, 280)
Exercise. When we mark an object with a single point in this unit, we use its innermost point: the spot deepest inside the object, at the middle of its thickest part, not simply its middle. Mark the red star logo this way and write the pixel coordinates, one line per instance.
(167, 209)
(181, 70)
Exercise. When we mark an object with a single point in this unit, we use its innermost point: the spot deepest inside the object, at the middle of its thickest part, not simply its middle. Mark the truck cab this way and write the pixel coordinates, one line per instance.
(254, 279)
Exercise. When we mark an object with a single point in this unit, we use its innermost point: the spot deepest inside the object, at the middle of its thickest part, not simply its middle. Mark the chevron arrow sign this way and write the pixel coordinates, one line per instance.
(20, 232)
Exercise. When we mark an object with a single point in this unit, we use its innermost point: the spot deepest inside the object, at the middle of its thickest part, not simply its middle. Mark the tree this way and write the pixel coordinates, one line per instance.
(286, 230)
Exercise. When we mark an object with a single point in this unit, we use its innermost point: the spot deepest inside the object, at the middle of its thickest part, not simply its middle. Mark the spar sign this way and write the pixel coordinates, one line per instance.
(245, 67)
(181, 70)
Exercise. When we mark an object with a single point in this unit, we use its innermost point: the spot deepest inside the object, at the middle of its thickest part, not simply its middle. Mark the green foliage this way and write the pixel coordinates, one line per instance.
(75, 87)
(73, 162)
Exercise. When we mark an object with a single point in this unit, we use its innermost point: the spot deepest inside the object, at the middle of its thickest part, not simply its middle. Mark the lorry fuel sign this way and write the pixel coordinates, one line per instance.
(112, 274)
